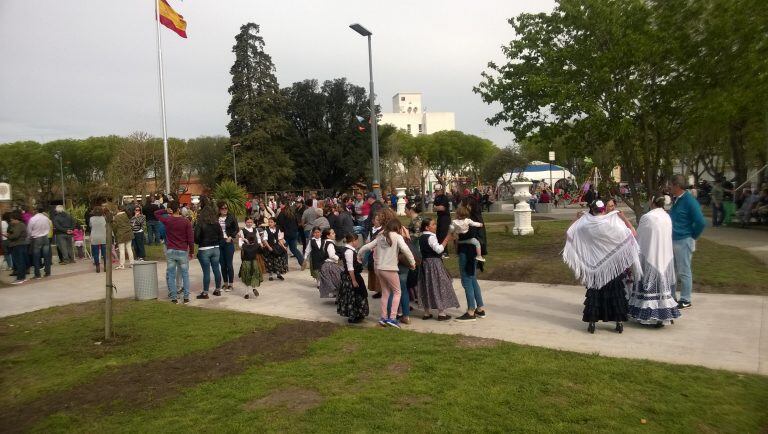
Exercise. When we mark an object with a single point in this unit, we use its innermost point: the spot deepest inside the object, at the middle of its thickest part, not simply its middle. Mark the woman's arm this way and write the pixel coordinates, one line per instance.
(365, 249)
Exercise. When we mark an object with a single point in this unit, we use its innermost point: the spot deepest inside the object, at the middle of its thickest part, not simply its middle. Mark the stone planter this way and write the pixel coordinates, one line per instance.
(522, 209)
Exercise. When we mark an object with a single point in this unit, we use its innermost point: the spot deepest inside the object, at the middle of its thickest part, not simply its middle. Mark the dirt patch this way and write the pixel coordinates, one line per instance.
(412, 401)
(475, 342)
(398, 369)
(146, 385)
(293, 399)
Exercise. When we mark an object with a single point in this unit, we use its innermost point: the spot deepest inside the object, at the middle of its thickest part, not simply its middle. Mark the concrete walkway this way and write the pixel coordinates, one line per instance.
(722, 331)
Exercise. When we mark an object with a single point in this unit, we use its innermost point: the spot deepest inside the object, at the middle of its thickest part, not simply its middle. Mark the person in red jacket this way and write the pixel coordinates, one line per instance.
(180, 242)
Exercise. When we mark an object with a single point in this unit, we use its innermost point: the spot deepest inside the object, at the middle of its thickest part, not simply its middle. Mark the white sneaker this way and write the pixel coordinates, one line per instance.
(480, 258)
(120, 267)
(18, 282)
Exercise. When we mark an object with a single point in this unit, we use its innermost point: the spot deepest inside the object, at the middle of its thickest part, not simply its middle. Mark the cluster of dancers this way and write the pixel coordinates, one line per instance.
(404, 264)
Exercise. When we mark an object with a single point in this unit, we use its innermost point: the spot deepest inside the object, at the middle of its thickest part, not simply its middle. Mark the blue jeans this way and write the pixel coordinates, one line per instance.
(718, 214)
(291, 240)
(683, 250)
(138, 245)
(19, 254)
(470, 285)
(152, 234)
(8, 255)
(405, 302)
(226, 255)
(209, 260)
(95, 248)
(177, 260)
(41, 250)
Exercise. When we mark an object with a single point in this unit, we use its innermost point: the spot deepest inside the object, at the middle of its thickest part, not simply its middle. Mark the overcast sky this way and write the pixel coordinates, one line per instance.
(80, 68)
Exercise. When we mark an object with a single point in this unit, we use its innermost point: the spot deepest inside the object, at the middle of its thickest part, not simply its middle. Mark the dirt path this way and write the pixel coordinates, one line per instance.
(148, 384)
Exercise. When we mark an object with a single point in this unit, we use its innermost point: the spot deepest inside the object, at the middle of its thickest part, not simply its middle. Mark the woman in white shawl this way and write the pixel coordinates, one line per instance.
(651, 300)
(601, 249)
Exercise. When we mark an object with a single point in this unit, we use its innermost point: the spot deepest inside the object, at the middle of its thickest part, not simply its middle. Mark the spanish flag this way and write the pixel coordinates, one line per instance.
(171, 19)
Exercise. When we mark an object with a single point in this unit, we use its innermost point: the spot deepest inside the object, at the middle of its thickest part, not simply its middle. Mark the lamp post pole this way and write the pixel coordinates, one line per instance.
(234, 161)
(374, 129)
(551, 160)
(61, 170)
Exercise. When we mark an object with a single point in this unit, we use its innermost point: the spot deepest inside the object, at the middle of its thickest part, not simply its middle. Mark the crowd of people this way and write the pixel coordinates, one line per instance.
(635, 273)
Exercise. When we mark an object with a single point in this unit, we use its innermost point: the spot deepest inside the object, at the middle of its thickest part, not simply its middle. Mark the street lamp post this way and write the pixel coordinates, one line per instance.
(61, 169)
(551, 160)
(374, 130)
(234, 161)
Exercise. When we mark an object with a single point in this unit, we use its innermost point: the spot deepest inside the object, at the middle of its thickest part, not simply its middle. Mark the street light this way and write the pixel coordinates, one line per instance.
(374, 130)
(551, 160)
(61, 168)
(234, 162)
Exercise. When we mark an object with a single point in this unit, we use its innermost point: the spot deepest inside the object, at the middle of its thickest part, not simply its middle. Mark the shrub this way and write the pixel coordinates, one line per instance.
(234, 196)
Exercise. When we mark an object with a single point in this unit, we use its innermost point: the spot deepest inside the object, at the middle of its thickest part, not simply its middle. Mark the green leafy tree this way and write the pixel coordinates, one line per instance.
(256, 116)
(205, 156)
(325, 134)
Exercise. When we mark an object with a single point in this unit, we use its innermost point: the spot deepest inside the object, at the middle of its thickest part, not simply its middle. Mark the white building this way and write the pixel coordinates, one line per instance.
(410, 115)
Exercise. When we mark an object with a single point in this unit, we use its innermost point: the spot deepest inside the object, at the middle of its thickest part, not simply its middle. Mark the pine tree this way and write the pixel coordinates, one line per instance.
(256, 116)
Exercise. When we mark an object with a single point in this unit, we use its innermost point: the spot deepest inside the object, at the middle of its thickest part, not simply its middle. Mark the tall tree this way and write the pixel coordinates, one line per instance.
(256, 116)
(327, 134)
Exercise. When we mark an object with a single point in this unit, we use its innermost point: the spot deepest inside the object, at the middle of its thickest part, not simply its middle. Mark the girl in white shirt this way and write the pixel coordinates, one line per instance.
(352, 301)
(330, 271)
(276, 256)
(313, 255)
(461, 226)
(435, 287)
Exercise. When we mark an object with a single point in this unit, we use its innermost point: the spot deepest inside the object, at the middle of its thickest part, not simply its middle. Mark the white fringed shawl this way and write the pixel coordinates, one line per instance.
(599, 248)
(654, 234)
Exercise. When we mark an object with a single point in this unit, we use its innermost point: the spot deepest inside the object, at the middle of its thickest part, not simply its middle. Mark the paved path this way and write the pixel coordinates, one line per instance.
(721, 331)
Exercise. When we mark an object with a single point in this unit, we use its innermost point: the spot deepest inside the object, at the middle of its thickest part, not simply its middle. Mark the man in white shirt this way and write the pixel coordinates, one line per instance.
(38, 229)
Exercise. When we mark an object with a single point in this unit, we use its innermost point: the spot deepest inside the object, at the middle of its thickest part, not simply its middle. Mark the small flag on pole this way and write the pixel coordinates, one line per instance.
(172, 19)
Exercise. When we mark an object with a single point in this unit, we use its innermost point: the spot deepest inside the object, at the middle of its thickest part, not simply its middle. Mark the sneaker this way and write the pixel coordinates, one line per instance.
(246, 296)
(203, 296)
(217, 293)
(18, 282)
(186, 300)
(480, 313)
(684, 304)
(226, 288)
(377, 295)
(38, 277)
(480, 258)
(255, 292)
(392, 323)
(444, 317)
(120, 267)
(466, 317)
(383, 322)
(174, 301)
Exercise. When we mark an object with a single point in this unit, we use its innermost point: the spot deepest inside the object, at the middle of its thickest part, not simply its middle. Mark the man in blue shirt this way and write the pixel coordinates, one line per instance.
(687, 225)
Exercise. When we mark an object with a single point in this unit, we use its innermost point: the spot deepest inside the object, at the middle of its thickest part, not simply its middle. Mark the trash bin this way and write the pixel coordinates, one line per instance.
(145, 280)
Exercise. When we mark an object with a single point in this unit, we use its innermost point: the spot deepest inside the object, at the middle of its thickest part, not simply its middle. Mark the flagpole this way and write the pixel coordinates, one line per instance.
(162, 101)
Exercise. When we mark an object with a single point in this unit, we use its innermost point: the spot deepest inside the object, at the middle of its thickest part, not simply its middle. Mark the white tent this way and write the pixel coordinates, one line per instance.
(539, 171)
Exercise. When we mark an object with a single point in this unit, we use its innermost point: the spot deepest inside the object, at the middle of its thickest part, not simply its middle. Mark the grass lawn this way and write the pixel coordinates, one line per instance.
(716, 268)
(176, 369)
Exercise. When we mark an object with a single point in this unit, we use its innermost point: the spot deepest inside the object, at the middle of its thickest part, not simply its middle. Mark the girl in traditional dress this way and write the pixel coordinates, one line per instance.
(313, 255)
(601, 250)
(435, 287)
(330, 271)
(651, 301)
(352, 300)
(250, 243)
(276, 256)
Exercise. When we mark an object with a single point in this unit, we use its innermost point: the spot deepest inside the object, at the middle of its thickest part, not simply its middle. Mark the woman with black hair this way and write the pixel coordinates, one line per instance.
(229, 231)
(250, 242)
(276, 255)
(435, 287)
(208, 237)
(352, 300)
(330, 272)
